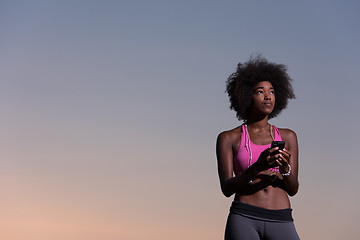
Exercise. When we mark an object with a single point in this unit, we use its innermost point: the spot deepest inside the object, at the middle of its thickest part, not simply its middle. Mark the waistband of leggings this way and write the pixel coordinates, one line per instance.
(282, 215)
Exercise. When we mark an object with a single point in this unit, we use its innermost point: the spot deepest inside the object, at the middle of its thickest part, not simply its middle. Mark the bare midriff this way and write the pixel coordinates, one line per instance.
(269, 197)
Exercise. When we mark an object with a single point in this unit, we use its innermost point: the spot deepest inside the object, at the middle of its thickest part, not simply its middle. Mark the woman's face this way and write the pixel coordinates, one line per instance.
(263, 98)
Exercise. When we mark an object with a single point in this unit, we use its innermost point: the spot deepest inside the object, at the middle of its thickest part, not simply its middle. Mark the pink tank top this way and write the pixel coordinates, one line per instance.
(242, 159)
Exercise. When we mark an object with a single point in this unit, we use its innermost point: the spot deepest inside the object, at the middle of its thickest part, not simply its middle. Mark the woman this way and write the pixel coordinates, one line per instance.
(261, 177)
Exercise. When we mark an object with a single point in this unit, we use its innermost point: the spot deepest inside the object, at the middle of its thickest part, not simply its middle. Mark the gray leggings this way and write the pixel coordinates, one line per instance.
(239, 227)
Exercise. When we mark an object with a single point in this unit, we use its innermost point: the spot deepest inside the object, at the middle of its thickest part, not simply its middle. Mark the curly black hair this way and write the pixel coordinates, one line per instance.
(240, 84)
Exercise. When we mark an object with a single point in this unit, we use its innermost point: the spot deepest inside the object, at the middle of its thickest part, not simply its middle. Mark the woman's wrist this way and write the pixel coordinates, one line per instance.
(258, 168)
(286, 173)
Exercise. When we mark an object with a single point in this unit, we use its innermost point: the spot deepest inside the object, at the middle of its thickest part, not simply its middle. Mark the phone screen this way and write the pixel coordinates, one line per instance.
(279, 144)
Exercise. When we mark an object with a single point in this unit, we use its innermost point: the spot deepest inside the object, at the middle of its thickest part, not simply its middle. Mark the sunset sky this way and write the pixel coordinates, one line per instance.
(109, 113)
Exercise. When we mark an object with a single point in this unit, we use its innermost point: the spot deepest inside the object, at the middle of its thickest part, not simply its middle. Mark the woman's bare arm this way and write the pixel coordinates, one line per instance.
(224, 152)
(290, 155)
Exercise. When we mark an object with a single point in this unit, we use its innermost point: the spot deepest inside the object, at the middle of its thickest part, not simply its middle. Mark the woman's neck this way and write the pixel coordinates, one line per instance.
(258, 123)
(259, 128)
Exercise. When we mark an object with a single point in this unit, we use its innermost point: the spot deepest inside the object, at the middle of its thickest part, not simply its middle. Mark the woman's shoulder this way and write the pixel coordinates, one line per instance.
(231, 134)
(287, 133)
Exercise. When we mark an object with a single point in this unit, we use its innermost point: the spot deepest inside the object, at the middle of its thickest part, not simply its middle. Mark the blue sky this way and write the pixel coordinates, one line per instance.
(106, 105)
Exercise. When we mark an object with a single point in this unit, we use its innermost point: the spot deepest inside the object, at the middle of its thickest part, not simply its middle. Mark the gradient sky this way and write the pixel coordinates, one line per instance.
(110, 111)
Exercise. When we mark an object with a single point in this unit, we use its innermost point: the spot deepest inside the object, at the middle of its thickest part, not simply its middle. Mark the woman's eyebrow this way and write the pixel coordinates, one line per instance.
(259, 88)
(262, 88)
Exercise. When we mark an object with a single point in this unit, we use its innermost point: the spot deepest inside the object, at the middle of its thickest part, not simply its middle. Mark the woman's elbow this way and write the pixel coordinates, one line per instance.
(293, 191)
(227, 193)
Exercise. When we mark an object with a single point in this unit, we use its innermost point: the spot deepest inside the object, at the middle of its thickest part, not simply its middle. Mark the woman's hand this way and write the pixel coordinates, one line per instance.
(283, 160)
(270, 159)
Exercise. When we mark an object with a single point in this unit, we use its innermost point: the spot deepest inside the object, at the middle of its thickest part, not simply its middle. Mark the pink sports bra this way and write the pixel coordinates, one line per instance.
(249, 152)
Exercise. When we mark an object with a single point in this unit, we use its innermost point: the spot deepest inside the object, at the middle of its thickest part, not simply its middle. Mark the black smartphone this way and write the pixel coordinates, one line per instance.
(279, 144)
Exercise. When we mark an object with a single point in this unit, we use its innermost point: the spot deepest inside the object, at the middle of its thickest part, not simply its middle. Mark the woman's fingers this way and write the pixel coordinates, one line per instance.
(286, 153)
(272, 150)
(276, 157)
(282, 158)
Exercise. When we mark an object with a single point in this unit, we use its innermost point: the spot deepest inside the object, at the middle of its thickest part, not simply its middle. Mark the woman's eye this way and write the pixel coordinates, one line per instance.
(272, 92)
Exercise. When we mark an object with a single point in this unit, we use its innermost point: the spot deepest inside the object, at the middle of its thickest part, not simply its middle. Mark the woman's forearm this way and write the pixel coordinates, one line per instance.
(239, 183)
(291, 184)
